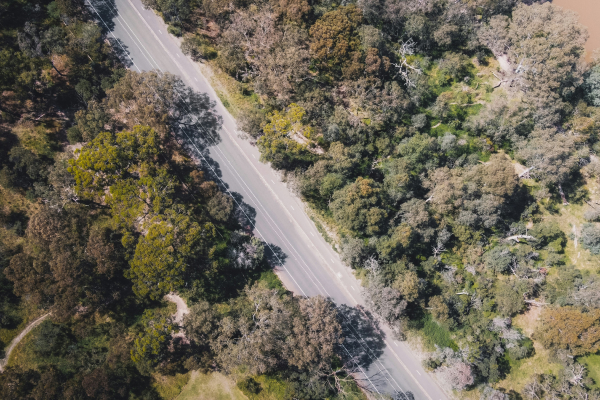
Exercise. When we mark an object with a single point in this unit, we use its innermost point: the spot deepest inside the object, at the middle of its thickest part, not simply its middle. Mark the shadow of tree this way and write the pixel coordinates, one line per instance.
(274, 255)
(403, 396)
(363, 345)
(106, 11)
(364, 340)
(120, 52)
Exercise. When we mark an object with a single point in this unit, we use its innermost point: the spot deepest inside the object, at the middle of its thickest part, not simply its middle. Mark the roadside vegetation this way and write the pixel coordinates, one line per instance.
(452, 147)
(104, 211)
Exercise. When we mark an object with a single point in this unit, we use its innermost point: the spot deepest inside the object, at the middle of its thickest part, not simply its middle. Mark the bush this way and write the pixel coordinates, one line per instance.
(50, 339)
(592, 86)
(549, 234)
(590, 238)
(197, 47)
(252, 121)
(174, 30)
(419, 120)
(74, 135)
(591, 214)
(249, 386)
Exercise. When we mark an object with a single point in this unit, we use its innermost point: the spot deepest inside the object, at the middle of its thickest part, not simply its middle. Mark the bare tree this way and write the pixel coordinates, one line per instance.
(404, 68)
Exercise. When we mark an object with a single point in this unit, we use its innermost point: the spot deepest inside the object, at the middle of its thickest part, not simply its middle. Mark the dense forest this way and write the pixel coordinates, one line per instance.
(451, 145)
(103, 213)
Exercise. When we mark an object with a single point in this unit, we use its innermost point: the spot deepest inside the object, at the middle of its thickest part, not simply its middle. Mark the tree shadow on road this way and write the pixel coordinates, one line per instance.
(275, 256)
(363, 345)
(120, 52)
(364, 340)
(105, 10)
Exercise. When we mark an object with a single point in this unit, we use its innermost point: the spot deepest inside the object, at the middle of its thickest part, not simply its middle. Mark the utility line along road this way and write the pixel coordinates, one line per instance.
(311, 266)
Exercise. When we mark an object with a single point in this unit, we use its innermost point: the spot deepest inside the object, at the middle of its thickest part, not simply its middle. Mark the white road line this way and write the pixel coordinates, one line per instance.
(159, 32)
(396, 343)
(267, 213)
(292, 207)
(272, 181)
(353, 288)
(332, 260)
(196, 79)
(177, 54)
(312, 234)
(253, 156)
(418, 372)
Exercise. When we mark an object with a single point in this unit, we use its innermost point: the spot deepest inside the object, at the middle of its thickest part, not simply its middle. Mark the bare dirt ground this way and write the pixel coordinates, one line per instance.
(182, 307)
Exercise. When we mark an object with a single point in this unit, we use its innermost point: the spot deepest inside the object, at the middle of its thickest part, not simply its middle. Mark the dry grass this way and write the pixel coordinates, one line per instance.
(212, 386)
(522, 370)
(230, 92)
(169, 387)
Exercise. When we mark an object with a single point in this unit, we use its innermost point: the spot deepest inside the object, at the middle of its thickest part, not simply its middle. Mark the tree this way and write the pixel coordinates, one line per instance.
(458, 374)
(109, 158)
(357, 207)
(163, 102)
(150, 344)
(571, 329)
(549, 155)
(544, 44)
(590, 237)
(163, 254)
(253, 333)
(55, 268)
(503, 119)
(172, 11)
(592, 85)
(509, 297)
(316, 333)
(334, 37)
(409, 285)
(91, 121)
(200, 323)
(353, 252)
(284, 138)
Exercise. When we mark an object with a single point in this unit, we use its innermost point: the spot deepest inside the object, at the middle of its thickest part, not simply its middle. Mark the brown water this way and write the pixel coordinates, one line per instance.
(589, 15)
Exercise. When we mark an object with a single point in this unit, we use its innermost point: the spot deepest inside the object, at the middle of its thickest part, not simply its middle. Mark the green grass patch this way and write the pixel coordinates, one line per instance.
(592, 364)
(272, 280)
(434, 333)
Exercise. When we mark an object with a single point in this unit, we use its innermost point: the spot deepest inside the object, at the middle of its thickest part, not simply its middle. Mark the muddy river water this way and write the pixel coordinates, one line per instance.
(589, 15)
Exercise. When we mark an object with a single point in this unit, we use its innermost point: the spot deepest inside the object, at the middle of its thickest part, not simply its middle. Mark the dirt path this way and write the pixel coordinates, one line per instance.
(182, 307)
(16, 340)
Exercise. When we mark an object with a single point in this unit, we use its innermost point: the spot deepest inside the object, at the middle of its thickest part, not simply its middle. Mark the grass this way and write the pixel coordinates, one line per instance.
(212, 386)
(521, 371)
(592, 364)
(24, 356)
(433, 333)
(271, 389)
(169, 387)
(272, 280)
(322, 231)
(234, 95)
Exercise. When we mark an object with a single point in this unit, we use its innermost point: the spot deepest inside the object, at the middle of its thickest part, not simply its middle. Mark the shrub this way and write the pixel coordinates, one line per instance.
(591, 214)
(590, 238)
(174, 30)
(74, 135)
(249, 386)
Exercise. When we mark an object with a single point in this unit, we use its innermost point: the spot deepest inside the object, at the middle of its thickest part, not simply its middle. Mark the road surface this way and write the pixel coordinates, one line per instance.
(311, 267)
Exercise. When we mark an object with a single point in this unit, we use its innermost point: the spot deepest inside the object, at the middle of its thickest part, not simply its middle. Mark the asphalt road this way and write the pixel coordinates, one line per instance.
(310, 266)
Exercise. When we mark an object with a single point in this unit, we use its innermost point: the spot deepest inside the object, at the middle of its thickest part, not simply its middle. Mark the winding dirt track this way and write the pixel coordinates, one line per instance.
(16, 340)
